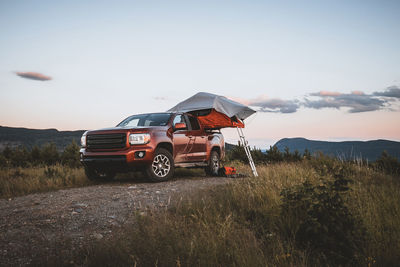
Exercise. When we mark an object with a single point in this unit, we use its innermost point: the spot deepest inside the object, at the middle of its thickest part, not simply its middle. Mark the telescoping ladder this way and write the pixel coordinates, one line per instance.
(246, 146)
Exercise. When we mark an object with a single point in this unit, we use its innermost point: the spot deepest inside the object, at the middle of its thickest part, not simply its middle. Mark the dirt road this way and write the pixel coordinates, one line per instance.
(35, 226)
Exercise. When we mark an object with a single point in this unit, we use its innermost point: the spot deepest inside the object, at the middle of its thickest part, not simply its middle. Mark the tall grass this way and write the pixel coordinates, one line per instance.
(242, 223)
(17, 181)
(251, 221)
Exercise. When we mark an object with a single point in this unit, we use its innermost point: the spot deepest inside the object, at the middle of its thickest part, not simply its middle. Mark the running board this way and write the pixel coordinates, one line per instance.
(191, 164)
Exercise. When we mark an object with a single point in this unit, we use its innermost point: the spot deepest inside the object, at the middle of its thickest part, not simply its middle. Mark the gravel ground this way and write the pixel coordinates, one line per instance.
(45, 224)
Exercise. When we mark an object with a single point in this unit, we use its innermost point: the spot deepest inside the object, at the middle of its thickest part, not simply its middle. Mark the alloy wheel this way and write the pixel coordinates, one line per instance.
(161, 165)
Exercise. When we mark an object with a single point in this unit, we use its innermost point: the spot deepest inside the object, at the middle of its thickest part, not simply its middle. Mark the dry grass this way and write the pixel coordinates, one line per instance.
(21, 181)
(240, 224)
(376, 198)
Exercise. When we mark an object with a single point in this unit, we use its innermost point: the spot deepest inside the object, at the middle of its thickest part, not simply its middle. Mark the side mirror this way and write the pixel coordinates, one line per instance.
(180, 126)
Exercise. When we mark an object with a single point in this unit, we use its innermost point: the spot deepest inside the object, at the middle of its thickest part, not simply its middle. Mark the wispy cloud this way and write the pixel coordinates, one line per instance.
(266, 104)
(355, 102)
(276, 105)
(33, 76)
(392, 91)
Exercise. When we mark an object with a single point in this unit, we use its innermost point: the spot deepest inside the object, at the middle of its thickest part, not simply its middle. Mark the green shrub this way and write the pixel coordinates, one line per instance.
(3, 161)
(307, 154)
(7, 152)
(36, 155)
(70, 156)
(274, 155)
(289, 157)
(320, 220)
(46, 155)
(49, 154)
(387, 164)
(20, 156)
(237, 153)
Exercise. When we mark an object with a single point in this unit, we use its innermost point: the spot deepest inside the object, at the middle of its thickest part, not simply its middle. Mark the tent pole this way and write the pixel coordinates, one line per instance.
(246, 146)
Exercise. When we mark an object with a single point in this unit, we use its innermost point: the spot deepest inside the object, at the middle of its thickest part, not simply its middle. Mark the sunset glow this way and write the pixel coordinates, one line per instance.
(326, 71)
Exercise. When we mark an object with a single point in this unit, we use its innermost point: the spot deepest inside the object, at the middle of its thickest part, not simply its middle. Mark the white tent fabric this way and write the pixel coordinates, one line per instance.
(221, 104)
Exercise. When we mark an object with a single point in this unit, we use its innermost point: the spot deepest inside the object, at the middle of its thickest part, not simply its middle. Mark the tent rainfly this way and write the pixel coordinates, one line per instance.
(216, 112)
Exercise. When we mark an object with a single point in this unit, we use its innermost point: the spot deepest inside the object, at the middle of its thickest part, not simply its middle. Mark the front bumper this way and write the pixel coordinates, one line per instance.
(130, 158)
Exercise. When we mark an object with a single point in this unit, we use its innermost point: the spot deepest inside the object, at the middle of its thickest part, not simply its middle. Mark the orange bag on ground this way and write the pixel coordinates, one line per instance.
(227, 171)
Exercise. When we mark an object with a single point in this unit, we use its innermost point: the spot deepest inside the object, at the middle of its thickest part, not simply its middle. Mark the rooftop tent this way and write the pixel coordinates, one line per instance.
(214, 111)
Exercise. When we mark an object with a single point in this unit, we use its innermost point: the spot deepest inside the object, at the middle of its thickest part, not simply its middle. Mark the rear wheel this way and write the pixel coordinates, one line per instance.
(96, 175)
(162, 167)
(213, 164)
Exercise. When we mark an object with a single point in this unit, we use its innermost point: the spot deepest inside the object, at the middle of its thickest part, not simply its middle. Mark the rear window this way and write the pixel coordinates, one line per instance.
(154, 119)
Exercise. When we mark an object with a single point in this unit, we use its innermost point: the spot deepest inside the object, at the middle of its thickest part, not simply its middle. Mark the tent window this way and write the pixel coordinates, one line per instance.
(203, 112)
(194, 123)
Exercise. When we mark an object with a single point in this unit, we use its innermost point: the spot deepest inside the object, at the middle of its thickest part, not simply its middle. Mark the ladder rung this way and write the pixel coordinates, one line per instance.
(246, 146)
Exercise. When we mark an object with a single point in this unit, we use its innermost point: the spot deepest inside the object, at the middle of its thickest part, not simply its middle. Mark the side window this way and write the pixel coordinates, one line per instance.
(194, 123)
(178, 118)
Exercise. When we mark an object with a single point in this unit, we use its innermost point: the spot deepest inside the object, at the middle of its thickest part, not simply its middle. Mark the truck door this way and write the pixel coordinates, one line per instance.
(198, 148)
(181, 140)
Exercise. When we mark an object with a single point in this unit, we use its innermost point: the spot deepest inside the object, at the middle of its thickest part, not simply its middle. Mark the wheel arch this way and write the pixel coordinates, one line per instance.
(217, 149)
(167, 146)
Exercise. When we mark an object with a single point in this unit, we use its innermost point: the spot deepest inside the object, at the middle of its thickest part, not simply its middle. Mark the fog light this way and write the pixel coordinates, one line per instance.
(140, 154)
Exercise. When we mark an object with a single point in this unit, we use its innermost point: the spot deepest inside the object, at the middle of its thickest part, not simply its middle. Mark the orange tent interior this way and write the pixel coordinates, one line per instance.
(212, 119)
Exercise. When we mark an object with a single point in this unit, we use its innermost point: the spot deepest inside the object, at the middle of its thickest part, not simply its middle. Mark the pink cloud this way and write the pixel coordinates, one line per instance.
(239, 100)
(327, 93)
(33, 76)
(249, 102)
(358, 93)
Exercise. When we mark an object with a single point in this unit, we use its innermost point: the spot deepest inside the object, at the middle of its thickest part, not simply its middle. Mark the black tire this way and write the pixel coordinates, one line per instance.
(162, 167)
(213, 164)
(97, 175)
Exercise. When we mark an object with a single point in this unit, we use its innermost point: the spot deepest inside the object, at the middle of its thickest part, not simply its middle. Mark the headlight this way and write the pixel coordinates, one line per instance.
(83, 140)
(139, 139)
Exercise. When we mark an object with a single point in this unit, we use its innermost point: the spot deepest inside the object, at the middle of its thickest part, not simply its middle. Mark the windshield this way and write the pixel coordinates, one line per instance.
(154, 119)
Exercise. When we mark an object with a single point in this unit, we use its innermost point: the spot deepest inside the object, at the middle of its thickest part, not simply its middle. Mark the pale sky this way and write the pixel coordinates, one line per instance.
(325, 70)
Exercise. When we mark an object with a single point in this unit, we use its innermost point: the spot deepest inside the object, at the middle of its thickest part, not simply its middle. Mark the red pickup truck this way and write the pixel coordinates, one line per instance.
(156, 143)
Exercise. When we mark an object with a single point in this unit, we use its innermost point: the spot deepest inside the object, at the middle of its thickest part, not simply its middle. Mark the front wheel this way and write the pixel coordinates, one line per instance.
(96, 175)
(213, 164)
(162, 167)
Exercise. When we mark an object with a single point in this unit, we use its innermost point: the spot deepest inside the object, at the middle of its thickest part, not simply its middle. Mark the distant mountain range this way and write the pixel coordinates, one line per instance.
(13, 137)
(370, 150)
